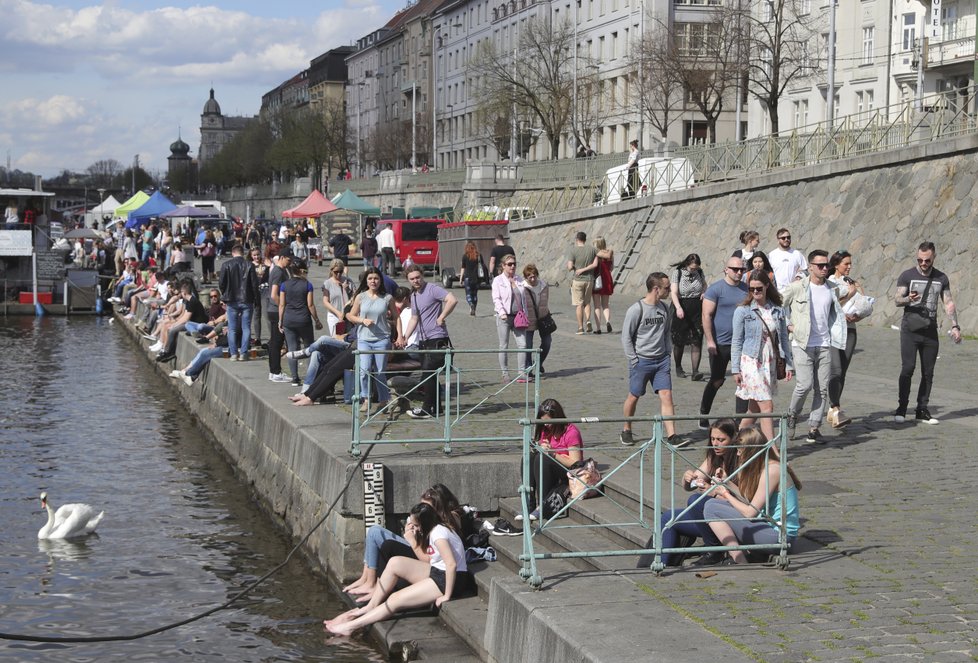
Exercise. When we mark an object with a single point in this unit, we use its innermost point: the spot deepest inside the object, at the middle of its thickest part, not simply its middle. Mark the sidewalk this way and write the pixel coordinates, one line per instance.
(877, 573)
(885, 568)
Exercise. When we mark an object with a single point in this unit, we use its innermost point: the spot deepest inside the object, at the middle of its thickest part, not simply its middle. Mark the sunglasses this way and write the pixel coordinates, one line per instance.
(509, 264)
(547, 408)
(736, 269)
(924, 261)
(785, 237)
(755, 289)
(820, 265)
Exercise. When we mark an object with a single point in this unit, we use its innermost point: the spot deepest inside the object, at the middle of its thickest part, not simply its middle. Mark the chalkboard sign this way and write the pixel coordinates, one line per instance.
(50, 266)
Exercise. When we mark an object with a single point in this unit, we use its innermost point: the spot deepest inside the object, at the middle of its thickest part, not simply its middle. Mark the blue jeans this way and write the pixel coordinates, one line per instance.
(378, 363)
(472, 291)
(201, 328)
(322, 352)
(239, 321)
(376, 535)
(545, 341)
(670, 536)
(202, 359)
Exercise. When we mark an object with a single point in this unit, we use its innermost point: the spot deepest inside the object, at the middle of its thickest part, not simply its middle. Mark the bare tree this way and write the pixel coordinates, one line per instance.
(659, 88)
(537, 80)
(701, 56)
(778, 47)
(102, 173)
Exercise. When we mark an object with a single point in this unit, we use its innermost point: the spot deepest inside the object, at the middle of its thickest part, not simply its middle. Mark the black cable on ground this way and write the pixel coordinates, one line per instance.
(244, 592)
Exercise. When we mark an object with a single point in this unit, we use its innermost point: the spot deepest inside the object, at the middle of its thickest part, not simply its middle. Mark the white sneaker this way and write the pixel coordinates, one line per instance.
(281, 377)
(187, 380)
(156, 347)
(177, 373)
(296, 354)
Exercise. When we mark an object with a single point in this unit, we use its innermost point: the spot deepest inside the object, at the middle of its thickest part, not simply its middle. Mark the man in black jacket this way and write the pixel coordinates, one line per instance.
(239, 288)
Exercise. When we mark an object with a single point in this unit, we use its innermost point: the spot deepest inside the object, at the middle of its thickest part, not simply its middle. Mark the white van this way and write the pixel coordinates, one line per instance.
(656, 175)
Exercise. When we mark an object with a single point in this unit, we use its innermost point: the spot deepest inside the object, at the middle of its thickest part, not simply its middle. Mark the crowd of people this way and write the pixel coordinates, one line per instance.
(770, 318)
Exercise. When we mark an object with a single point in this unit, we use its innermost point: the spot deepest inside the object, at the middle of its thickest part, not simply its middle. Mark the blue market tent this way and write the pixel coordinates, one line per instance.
(156, 205)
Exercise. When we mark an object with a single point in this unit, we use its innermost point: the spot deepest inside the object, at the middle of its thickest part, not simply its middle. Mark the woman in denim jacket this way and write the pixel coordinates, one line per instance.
(752, 352)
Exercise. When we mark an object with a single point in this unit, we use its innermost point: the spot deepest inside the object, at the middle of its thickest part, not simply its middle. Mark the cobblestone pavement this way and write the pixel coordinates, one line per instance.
(883, 570)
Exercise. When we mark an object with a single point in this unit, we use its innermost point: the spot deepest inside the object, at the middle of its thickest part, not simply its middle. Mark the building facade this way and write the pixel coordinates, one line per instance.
(217, 129)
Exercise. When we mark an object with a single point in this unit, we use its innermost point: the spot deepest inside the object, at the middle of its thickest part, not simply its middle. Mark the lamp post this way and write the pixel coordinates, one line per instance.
(359, 162)
(101, 201)
(451, 138)
(135, 165)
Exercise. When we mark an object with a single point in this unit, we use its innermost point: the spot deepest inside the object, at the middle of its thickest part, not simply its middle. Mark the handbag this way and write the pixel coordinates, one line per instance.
(917, 318)
(545, 325)
(780, 365)
(521, 320)
(582, 479)
(598, 282)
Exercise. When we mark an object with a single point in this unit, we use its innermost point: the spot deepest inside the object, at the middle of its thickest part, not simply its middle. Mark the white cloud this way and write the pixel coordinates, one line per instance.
(107, 81)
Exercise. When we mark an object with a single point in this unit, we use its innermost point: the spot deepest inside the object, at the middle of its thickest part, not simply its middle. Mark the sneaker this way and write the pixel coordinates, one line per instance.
(156, 347)
(296, 354)
(680, 373)
(609, 327)
(589, 328)
(710, 559)
(626, 438)
(792, 425)
(503, 527)
(279, 377)
(815, 437)
(149, 337)
(697, 377)
(242, 357)
(187, 380)
(534, 515)
(364, 405)
(296, 382)
(678, 440)
(580, 331)
(523, 379)
(704, 424)
(841, 420)
(203, 340)
(177, 373)
(924, 415)
(900, 415)
(418, 413)
(165, 357)
(598, 331)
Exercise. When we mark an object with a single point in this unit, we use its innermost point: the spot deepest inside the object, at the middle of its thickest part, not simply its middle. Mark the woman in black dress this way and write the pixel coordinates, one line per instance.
(688, 286)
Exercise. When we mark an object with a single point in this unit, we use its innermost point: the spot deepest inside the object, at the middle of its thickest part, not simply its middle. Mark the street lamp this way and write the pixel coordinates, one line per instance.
(451, 137)
(359, 162)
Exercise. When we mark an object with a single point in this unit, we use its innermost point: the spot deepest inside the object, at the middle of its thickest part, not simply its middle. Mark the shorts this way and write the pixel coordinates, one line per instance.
(658, 371)
(581, 292)
(464, 582)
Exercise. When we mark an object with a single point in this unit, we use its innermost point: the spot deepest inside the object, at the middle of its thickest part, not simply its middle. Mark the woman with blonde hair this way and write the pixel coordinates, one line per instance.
(601, 296)
(749, 515)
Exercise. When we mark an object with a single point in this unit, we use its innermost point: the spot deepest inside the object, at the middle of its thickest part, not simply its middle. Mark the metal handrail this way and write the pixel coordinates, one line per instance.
(454, 409)
(656, 447)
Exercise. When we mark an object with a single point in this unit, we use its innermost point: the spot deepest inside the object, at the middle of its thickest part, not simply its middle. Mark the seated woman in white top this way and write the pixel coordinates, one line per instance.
(444, 576)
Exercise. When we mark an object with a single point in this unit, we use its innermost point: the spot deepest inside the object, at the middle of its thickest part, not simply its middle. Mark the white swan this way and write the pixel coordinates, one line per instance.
(71, 520)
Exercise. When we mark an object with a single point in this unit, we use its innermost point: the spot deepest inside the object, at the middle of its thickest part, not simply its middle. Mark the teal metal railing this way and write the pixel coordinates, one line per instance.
(663, 464)
(472, 392)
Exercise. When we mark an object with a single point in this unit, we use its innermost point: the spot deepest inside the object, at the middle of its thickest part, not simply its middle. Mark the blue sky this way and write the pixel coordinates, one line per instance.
(83, 81)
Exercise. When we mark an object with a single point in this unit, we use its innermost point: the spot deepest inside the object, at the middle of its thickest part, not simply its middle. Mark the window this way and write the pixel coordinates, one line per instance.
(806, 7)
(909, 31)
(949, 22)
(614, 45)
(693, 38)
(868, 37)
(801, 113)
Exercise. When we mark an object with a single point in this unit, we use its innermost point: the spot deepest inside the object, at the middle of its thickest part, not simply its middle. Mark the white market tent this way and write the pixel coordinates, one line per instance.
(103, 209)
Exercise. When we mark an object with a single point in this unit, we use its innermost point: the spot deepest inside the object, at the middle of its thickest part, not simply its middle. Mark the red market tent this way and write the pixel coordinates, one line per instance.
(315, 204)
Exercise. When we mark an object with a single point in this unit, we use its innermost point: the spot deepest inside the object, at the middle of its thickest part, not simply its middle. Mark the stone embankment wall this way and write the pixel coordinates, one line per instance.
(879, 208)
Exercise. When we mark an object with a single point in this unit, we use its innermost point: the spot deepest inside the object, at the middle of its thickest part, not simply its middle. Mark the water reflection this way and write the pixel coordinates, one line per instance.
(81, 417)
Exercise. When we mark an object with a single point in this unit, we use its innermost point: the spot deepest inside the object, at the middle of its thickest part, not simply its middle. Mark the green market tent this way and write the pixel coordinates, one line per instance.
(354, 203)
(137, 201)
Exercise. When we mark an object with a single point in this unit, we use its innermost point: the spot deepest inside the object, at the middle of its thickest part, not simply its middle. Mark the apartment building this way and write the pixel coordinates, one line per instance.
(887, 53)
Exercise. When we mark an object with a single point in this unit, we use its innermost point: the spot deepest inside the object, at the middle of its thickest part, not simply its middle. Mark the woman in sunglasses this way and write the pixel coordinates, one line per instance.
(510, 303)
(760, 336)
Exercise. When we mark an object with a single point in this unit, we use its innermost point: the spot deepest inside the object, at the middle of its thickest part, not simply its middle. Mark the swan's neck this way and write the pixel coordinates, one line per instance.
(47, 528)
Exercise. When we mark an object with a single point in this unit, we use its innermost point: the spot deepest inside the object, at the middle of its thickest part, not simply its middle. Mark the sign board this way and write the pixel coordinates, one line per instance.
(373, 494)
(50, 266)
(15, 243)
(935, 19)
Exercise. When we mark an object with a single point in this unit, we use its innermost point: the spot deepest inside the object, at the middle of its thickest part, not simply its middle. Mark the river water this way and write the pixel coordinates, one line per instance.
(84, 418)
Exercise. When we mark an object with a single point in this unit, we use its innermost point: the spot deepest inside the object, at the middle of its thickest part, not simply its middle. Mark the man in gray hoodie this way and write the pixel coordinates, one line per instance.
(645, 336)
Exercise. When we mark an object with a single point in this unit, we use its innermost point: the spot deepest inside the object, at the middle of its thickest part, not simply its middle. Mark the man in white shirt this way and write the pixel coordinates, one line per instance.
(786, 262)
(385, 244)
(817, 324)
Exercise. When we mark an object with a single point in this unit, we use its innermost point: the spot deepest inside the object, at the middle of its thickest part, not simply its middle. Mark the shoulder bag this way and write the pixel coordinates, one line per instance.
(520, 320)
(917, 318)
(546, 324)
(582, 478)
(781, 366)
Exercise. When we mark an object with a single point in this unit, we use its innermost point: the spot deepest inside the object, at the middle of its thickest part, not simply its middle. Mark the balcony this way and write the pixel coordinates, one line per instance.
(951, 51)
